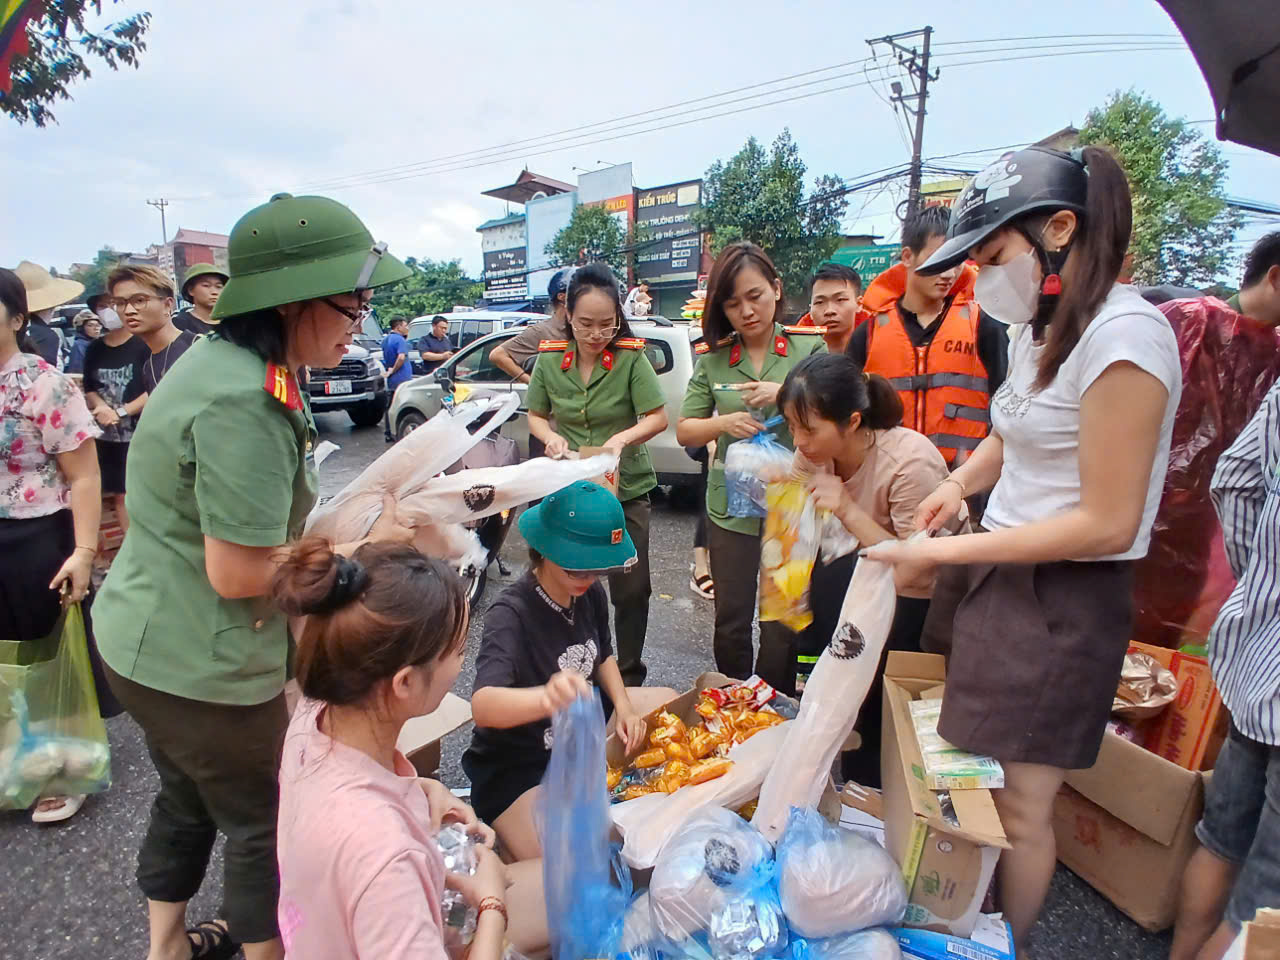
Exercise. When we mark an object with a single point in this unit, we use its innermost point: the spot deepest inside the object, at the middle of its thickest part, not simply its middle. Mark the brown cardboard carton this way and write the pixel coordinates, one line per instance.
(420, 737)
(1126, 827)
(1262, 936)
(947, 867)
(1190, 731)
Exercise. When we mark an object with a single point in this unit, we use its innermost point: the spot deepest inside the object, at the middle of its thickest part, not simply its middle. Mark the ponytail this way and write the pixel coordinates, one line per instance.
(1093, 266)
(831, 386)
(385, 608)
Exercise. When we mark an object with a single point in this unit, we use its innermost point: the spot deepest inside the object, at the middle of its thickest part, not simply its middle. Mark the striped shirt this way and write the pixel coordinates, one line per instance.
(1244, 646)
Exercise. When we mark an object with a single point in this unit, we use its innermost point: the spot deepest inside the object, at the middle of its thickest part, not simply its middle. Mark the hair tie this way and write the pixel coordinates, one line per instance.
(348, 583)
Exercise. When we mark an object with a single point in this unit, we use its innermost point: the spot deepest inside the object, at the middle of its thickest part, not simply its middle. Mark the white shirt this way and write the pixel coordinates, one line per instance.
(1041, 429)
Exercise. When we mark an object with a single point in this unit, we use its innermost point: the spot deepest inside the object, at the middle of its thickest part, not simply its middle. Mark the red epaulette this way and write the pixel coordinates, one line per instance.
(790, 330)
(282, 385)
(705, 347)
(630, 343)
(551, 346)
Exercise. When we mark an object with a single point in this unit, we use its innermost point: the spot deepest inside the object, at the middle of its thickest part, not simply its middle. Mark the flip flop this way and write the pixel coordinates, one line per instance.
(67, 809)
(703, 585)
(211, 941)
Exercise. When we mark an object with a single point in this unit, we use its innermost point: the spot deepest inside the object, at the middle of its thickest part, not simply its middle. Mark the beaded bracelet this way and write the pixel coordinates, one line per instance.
(493, 903)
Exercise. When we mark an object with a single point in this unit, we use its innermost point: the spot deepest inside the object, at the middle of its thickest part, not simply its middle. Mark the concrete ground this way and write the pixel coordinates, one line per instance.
(68, 890)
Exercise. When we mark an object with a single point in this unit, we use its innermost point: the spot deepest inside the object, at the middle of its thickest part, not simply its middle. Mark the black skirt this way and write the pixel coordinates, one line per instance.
(1034, 656)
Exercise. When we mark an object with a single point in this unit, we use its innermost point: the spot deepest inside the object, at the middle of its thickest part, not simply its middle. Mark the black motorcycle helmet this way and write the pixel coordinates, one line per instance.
(1017, 184)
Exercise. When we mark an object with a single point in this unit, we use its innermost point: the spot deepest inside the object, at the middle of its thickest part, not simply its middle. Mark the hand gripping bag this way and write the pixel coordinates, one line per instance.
(749, 466)
(833, 881)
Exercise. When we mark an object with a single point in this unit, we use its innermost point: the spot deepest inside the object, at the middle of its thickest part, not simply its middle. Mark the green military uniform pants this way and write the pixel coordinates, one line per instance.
(629, 592)
(735, 567)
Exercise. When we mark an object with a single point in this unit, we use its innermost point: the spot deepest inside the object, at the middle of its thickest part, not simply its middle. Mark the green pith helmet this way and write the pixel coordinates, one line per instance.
(581, 527)
(201, 270)
(300, 248)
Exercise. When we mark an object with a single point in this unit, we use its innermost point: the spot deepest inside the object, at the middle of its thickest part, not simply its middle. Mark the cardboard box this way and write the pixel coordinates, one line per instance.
(607, 480)
(947, 867)
(1126, 827)
(1259, 939)
(993, 941)
(1190, 731)
(420, 737)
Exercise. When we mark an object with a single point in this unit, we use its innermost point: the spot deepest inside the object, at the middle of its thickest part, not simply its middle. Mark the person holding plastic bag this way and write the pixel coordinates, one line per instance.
(1077, 458)
(361, 875)
(744, 357)
(51, 498)
(223, 475)
(545, 636)
(601, 390)
(872, 473)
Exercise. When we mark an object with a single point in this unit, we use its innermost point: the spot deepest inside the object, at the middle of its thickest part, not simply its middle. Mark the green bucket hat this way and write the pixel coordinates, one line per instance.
(201, 270)
(301, 248)
(581, 527)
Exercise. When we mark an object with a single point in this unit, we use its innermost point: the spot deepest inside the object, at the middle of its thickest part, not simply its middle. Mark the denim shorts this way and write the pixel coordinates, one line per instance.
(1241, 822)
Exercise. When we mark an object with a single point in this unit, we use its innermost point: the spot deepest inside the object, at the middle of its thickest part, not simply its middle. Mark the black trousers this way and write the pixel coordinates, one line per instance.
(735, 567)
(219, 767)
(629, 592)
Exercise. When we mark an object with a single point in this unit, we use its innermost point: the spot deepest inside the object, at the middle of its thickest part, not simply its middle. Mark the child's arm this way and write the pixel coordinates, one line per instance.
(501, 708)
(630, 724)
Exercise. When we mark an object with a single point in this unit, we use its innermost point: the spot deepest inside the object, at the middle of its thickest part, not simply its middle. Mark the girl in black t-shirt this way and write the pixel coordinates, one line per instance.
(544, 638)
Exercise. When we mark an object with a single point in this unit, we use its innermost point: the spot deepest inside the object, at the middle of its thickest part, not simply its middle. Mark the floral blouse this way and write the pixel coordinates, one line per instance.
(42, 413)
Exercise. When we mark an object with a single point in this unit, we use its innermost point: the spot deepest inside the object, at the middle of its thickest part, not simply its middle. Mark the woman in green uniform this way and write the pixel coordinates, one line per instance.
(745, 356)
(602, 391)
(222, 474)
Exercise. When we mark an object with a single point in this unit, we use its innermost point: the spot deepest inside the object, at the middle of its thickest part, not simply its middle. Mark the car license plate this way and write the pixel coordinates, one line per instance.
(337, 386)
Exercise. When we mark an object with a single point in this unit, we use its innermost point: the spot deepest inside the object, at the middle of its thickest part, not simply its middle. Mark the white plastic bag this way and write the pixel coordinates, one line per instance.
(833, 881)
(833, 696)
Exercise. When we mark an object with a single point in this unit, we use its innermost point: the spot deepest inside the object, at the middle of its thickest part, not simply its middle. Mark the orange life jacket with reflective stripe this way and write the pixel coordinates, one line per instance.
(943, 385)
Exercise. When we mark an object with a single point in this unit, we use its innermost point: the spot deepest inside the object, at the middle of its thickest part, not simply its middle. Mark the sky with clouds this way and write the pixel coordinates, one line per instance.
(237, 100)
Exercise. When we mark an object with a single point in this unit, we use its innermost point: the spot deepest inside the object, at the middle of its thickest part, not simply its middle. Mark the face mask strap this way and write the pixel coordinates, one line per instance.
(1051, 264)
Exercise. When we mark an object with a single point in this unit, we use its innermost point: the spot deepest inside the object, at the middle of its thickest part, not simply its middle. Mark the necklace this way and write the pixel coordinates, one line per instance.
(164, 361)
(566, 612)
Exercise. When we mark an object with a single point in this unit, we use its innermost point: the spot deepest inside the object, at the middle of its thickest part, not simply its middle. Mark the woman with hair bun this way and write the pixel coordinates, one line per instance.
(361, 875)
(873, 474)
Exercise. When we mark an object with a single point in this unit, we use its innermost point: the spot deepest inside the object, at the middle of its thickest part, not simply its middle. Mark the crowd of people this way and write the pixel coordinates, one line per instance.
(993, 416)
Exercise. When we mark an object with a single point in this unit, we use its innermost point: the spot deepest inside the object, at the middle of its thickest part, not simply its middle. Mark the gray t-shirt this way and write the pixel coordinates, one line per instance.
(523, 347)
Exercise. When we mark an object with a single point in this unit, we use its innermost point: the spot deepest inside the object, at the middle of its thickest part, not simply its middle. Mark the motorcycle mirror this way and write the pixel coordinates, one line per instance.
(442, 377)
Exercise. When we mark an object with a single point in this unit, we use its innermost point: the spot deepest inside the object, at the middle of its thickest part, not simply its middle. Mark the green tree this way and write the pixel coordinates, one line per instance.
(95, 278)
(59, 44)
(1182, 225)
(593, 233)
(436, 286)
(759, 195)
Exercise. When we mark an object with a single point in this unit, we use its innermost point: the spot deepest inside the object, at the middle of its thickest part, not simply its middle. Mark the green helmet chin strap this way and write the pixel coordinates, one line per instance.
(376, 253)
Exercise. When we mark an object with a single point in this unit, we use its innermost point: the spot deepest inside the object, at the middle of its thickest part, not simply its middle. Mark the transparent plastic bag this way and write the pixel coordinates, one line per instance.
(52, 738)
(458, 848)
(864, 945)
(833, 881)
(788, 551)
(585, 909)
(749, 466)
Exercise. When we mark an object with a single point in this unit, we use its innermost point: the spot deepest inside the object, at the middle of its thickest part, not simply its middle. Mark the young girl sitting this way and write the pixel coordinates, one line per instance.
(361, 876)
(544, 637)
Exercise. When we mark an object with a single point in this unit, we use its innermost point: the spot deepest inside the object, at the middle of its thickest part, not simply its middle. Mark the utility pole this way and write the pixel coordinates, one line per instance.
(162, 203)
(916, 63)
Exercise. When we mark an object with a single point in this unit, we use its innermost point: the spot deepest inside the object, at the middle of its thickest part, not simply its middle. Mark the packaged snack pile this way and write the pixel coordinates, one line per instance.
(680, 756)
(947, 767)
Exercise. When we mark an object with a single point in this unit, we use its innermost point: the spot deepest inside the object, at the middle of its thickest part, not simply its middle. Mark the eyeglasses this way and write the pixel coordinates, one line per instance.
(137, 301)
(355, 317)
(584, 332)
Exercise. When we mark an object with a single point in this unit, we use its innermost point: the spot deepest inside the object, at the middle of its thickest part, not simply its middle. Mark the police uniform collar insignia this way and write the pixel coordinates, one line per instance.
(735, 354)
(567, 362)
(606, 360)
(780, 345)
(282, 385)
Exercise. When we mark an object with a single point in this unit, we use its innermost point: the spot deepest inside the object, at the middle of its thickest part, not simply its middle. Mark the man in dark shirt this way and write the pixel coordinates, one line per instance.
(435, 348)
(202, 286)
(144, 299)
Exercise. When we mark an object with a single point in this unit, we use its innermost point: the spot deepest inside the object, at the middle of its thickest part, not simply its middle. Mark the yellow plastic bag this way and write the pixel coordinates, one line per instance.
(52, 739)
(788, 551)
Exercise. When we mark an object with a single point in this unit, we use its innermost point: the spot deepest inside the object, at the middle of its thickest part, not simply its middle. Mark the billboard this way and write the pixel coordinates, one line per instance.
(941, 193)
(544, 218)
(870, 260)
(669, 248)
(504, 275)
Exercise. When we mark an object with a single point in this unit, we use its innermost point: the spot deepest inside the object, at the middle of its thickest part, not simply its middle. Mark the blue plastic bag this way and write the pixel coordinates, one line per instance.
(585, 909)
(749, 466)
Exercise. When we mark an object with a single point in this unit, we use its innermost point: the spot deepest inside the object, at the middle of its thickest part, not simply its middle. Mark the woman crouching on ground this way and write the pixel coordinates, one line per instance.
(361, 876)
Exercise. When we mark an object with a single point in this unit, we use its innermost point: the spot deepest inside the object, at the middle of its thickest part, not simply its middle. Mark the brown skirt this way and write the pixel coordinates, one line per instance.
(1034, 656)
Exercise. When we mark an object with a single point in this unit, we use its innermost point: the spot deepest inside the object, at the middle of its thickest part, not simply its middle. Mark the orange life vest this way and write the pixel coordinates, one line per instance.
(943, 385)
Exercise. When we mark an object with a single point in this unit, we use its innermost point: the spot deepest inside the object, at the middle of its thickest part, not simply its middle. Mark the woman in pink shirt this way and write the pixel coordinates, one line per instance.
(361, 876)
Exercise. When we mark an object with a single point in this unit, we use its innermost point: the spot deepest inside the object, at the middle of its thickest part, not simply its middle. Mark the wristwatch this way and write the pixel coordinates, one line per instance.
(122, 411)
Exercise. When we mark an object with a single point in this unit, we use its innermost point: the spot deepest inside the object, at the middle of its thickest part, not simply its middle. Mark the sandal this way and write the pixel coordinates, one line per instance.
(67, 808)
(211, 941)
(703, 585)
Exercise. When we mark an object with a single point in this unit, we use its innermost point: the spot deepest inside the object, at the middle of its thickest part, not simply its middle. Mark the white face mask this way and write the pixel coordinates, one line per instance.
(1009, 291)
(110, 319)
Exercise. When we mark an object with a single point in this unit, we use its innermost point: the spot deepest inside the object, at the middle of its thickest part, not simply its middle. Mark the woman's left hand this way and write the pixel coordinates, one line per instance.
(446, 808)
(911, 560)
(632, 729)
(615, 445)
(75, 573)
(829, 493)
(760, 393)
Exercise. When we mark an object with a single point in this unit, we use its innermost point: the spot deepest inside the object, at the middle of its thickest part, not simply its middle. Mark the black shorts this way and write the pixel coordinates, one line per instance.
(111, 458)
(496, 786)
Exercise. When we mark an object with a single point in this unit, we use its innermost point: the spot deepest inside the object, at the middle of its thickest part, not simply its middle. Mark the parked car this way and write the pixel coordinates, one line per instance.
(669, 350)
(465, 328)
(357, 385)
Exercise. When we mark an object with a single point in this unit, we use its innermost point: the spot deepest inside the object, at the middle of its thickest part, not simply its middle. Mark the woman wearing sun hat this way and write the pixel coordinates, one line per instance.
(221, 474)
(45, 293)
(546, 637)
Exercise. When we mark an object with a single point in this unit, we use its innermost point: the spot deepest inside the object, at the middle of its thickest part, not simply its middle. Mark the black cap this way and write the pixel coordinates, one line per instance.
(1019, 183)
(560, 283)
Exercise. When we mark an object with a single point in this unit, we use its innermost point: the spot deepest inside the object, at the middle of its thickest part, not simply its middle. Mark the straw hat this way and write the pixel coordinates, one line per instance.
(44, 290)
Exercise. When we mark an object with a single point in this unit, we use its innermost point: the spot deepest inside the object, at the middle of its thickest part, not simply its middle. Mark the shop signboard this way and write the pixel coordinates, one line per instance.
(669, 247)
(505, 275)
(870, 260)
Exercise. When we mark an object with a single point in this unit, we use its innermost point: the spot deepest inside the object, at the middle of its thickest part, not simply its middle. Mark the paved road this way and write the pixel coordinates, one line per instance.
(68, 890)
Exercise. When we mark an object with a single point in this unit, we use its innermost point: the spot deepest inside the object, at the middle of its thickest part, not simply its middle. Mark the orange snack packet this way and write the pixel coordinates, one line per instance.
(705, 770)
(678, 751)
(651, 758)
